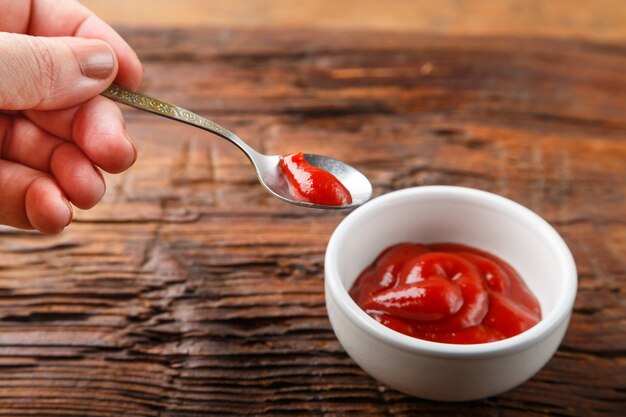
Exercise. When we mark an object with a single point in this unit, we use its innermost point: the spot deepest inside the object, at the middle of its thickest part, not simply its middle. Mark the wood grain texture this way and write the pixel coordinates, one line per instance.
(190, 291)
(601, 20)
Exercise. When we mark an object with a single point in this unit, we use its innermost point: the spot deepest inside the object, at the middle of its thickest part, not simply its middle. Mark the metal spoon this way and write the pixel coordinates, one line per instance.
(267, 169)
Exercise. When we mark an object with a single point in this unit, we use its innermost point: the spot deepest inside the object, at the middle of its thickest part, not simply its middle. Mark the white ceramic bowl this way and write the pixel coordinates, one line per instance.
(439, 371)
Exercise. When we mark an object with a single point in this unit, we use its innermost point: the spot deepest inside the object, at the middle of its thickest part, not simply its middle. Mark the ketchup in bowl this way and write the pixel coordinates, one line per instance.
(446, 292)
(312, 184)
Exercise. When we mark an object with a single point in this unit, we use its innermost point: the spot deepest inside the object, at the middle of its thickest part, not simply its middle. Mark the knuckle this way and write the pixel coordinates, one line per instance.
(46, 72)
(30, 71)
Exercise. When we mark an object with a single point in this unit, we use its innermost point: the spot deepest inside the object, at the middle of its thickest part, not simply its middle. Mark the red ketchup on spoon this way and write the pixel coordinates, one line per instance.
(446, 293)
(312, 184)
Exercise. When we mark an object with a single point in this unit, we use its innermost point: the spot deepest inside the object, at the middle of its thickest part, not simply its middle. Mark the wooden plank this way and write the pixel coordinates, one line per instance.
(190, 291)
(588, 19)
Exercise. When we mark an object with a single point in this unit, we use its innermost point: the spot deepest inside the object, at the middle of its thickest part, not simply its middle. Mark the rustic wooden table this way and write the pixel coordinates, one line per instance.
(190, 291)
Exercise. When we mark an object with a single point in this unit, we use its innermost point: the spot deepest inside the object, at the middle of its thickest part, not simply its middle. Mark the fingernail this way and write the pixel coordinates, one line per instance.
(96, 59)
(128, 138)
(104, 183)
(71, 211)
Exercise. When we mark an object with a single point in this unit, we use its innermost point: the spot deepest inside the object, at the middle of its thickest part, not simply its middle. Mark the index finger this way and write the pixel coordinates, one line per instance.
(70, 18)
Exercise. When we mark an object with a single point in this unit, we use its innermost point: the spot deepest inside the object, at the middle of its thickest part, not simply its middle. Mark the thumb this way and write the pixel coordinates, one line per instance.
(52, 73)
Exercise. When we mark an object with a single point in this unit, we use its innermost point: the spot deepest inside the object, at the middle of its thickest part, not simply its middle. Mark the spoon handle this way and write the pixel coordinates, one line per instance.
(143, 101)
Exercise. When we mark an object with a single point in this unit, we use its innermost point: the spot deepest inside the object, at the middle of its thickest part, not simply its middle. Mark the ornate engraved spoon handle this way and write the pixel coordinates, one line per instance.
(142, 101)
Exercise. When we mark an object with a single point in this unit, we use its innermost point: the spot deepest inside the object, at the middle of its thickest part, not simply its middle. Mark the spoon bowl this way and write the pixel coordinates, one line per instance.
(267, 169)
(272, 179)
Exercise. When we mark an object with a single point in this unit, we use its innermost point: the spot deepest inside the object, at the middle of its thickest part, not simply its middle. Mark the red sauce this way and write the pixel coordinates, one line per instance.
(312, 184)
(445, 292)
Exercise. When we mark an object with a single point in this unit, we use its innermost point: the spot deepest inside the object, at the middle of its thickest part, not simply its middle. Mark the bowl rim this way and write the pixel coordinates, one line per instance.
(543, 329)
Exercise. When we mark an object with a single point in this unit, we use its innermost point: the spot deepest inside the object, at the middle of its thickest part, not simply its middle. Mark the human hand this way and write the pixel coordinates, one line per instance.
(56, 57)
